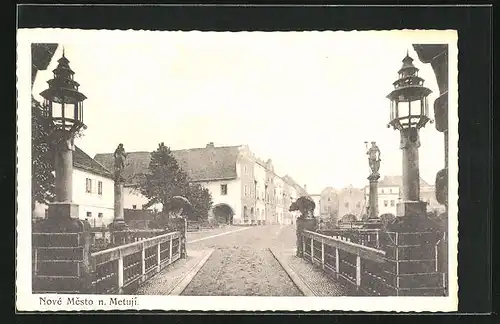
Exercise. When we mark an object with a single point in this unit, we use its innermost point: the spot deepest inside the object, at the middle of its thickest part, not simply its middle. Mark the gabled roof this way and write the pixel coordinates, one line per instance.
(201, 164)
(83, 161)
(397, 181)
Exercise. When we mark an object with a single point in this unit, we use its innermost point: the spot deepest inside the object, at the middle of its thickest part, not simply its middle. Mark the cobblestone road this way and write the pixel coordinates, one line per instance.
(242, 265)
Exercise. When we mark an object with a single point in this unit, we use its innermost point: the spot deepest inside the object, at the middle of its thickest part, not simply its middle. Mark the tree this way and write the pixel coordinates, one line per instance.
(201, 200)
(164, 180)
(42, 171)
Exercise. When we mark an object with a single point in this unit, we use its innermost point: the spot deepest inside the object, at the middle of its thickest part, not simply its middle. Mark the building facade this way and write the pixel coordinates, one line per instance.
(351, 202)
(317, 201)
(329, 204)
(93, 191)
(244, 189)
(390, 190)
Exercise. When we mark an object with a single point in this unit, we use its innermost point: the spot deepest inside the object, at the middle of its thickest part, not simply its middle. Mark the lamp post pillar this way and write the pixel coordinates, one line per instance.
(62, 235)
(63, 165)
(410, 240)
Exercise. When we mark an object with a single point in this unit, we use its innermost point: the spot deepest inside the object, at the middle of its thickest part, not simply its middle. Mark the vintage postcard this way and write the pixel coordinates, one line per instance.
(245, 171)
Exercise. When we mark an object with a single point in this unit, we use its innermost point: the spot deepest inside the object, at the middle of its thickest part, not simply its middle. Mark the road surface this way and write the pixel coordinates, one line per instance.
(241, 264)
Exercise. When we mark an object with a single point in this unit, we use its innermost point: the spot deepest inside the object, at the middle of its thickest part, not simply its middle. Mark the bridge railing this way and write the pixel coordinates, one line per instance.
(363, 236)
(362, 267)
(125, 267)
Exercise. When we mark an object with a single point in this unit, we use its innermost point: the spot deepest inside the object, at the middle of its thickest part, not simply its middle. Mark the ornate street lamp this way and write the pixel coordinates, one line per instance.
(409, 112)
(63, 106)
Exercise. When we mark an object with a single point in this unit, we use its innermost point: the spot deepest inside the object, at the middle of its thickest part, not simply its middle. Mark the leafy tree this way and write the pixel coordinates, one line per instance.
(43, 179)
(164, 180)
(201, 200)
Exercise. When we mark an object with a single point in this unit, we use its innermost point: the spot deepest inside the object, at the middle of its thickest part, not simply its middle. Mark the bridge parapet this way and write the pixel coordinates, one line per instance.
(399, 266)
(125, 267)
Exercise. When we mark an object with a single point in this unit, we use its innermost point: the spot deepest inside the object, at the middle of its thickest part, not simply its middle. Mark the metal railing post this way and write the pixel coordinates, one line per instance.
(312, 250)
(170, 250)
(158, 256)
(337, 262)
(303, 245)
(120, 274)
(322, 254)
(358, 271)
(143, 261)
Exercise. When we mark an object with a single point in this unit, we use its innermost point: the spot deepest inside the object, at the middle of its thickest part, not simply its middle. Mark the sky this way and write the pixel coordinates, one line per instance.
(307, 100)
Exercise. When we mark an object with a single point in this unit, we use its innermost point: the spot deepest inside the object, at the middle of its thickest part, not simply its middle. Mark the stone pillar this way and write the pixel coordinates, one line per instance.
(410, 204)
(63, 165)
(62, 236)
(119, 227)
(411, 268)
(373, 196)
(303, 223)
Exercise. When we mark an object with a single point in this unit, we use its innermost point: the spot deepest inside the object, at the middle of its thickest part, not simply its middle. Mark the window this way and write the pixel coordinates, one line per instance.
(99, 215)
(223, 189)
(346, 205)
(358, 204)
(88, 185)
(386, 203)
(382, 190)
(134, 206)
(392, 203)
(328, 198)
(245, 169)
(246, 190)
(390, 190)
(89, 214)
(99, 188)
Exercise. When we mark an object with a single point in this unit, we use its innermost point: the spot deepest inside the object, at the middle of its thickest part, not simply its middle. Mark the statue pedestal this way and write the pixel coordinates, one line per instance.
(373, 196)
(62, 236)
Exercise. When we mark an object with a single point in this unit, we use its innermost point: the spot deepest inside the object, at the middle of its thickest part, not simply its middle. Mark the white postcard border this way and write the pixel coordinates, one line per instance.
(26, 301)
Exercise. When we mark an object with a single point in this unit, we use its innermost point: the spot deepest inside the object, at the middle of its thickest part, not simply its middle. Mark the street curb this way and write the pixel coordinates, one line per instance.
(303, 287)
(188, 277)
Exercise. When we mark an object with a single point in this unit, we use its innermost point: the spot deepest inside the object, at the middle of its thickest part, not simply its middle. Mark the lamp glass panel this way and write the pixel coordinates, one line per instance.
(56, 110)
(403, 109)
(69, 111)
(416, 108)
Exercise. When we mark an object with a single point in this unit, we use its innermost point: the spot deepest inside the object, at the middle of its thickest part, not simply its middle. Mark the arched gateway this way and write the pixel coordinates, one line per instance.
(223, 213)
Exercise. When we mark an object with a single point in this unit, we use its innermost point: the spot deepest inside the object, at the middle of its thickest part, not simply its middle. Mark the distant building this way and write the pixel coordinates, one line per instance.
(329, 204)
(390, 191)
(317, 201)
(244, 189)
(93, 191)
(351, 202)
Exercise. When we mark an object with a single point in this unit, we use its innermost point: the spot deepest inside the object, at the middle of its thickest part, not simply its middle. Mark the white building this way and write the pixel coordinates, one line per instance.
(93, 191)
(390, 191)
(317, 202)
(244, 189)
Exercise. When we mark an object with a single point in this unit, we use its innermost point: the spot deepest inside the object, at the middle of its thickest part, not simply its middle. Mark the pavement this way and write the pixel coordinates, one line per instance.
(310, 279)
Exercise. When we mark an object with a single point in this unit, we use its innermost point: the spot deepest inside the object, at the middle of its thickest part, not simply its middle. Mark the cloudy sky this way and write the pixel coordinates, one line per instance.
(307, 100)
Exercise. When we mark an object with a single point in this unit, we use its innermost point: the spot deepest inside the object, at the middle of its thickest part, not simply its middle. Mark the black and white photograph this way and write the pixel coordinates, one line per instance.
(237, 170)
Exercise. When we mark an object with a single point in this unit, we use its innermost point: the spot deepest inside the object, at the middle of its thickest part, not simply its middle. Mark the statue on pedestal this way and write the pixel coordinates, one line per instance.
(374, 158)
(120, 157)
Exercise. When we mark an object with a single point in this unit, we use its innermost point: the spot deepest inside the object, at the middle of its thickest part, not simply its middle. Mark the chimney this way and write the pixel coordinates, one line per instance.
(305, 187)
(211, 144)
